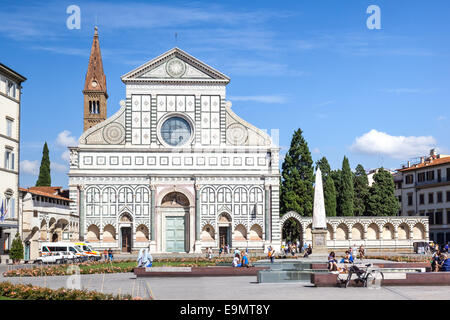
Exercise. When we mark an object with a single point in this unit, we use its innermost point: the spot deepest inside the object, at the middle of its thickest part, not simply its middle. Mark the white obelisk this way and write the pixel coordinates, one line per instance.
(319, 230)
(319, 221)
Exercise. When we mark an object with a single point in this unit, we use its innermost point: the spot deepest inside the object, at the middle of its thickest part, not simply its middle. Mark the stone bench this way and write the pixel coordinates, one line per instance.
(196, 271)
(390, 279)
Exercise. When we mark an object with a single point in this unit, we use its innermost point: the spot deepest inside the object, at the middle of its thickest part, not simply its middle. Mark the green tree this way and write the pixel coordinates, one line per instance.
(329, 193)
(346, 191)
(16, 252)
(297, 178)
(336, 176)
(361, 189)
(44, 179)
(324, 167)
(329, 190)
(382, 201)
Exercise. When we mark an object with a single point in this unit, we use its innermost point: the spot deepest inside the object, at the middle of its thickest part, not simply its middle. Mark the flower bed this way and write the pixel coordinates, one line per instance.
(30, 292)
(111, 267)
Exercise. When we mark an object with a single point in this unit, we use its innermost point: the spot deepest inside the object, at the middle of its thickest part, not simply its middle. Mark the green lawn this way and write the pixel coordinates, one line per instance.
(6, 298)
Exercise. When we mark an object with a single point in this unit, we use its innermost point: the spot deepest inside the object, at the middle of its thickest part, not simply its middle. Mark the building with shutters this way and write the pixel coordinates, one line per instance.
(10, 101)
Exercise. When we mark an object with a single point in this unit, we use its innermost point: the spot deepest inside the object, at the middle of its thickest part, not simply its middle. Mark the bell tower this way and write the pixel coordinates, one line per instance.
(94, 92)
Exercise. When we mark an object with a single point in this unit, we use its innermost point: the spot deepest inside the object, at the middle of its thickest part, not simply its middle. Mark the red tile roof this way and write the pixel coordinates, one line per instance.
(50, 192)
(427, 163)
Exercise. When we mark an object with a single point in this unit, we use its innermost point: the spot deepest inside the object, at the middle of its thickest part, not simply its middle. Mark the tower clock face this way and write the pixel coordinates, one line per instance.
(94, 83)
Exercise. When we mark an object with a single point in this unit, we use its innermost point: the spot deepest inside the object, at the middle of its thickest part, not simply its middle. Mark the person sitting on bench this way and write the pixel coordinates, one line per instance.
(236, 261)
(348, 258)
(332, 262)
(244, 262)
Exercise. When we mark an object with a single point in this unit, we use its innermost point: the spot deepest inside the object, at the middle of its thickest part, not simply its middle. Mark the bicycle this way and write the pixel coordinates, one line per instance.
(367, 277)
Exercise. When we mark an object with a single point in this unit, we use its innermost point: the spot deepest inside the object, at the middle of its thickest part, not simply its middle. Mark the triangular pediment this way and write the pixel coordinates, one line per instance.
(175, 66)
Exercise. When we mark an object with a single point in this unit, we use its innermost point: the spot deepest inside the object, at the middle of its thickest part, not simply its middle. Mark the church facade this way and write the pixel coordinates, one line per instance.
(174, 169)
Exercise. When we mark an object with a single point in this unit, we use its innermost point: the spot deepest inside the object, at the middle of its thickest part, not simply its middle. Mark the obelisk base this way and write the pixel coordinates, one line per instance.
(319, 243)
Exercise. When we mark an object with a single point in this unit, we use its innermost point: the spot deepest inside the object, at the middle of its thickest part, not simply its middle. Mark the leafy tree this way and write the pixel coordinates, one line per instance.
(346, 191)
(361, 189)
(382, 201)
(291, 230)
(297, 178)
(16, 252)
(329, 190)
(45, 179)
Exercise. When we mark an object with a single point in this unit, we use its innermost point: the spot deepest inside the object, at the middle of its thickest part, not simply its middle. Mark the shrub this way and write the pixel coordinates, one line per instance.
(16, 252)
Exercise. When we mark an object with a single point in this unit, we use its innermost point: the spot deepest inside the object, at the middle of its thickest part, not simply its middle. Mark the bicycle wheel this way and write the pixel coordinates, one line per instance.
(348, 279)
(374, 279)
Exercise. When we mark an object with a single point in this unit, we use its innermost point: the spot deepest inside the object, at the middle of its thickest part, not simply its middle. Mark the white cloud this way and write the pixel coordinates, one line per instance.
(66, 155)
(65, 139)
(29, 167)
(263, 99)
(441, 118)
(399, 147)
(316, 151)
(58, 167)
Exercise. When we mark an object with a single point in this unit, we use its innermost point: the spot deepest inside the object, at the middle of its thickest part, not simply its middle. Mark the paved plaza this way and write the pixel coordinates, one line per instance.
(230, 288)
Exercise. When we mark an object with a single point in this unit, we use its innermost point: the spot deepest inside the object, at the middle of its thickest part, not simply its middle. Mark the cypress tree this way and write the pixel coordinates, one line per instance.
(329, 190)
(336, 176)
(324, 167)
(382, 201)
(346, 192)
(329, 194)
(297, 178)
(361, 189)
(45, 179)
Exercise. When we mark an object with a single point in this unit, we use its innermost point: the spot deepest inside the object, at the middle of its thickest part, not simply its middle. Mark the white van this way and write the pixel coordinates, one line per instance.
(65, 248)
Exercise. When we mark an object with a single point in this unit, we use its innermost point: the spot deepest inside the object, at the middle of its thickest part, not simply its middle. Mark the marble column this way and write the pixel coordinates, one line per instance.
(152, 213)
(81, 212)
(197, 212)
(198, 243)
(267, 213)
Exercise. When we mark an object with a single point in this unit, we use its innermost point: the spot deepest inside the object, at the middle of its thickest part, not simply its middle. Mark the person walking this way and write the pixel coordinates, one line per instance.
(105, 254)
(110, 255)
(210, 253)
(271, 254)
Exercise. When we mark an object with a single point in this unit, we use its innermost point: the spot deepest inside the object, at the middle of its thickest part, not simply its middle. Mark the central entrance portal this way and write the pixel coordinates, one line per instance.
(175, 234)
(126, 239)
(175, 222)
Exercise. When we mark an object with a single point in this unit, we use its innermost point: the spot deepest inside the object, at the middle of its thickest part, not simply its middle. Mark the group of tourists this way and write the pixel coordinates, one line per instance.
(349, 257)
(291, 248)
(240, 259)
(225, 249)
(108, 255)
(440, 261)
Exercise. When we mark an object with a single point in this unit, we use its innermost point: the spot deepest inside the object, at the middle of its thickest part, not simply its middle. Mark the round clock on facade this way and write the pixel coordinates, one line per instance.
(94, 83)
(176, 131)
(175, 68)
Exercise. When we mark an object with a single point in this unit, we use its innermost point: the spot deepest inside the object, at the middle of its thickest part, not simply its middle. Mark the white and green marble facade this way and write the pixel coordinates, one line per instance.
(227, 170)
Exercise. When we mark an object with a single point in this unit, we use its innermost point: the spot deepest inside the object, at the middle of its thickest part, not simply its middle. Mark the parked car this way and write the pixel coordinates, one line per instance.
(53, 258)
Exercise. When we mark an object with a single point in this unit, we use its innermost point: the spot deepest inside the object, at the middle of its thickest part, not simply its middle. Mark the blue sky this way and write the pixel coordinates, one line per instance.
(378, 96)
